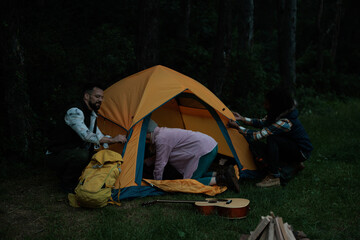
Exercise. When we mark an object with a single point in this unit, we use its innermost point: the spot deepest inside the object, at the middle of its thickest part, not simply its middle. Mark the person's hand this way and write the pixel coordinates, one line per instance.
(119, 139)
(238, 117)
(232, 124)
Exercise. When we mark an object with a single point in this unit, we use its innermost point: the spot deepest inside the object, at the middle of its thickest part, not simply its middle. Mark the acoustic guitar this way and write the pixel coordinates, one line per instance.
(231, 208)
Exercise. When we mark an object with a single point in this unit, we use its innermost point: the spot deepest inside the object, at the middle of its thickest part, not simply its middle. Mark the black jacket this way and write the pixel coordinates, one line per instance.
(64, 137)
(298, 133)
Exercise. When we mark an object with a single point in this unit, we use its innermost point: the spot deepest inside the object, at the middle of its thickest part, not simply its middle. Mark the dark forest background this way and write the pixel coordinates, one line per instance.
(238, 49)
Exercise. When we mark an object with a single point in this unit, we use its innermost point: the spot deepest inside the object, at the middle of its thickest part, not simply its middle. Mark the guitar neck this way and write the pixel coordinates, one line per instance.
(188, 201)
(178, 201)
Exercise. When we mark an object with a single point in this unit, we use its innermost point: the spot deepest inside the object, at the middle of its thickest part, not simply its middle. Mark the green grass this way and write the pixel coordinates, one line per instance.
(322, 200)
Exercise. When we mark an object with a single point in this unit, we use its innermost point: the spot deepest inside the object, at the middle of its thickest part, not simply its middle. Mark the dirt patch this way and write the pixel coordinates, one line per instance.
(17, 223)
(32, 205)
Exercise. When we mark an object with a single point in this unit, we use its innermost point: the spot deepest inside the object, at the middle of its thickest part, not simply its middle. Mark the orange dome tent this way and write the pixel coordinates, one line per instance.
(172, 100)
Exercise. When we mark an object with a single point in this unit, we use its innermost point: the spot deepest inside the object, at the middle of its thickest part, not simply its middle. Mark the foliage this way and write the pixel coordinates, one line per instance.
(66, 44)
(247, 79)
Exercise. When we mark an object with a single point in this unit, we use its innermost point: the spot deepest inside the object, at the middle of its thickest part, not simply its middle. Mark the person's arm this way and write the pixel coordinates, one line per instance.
(75, 119)
(282, 125)
(162, 157)
(258, 123)
(238, 117)
(117, 139)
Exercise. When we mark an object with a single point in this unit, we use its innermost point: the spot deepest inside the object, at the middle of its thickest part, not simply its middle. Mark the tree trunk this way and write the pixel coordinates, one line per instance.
(335, 37)
(320, 43)
(246, 24)
(287, 42)
(222, 48)
(184, 26)
(15, 100)
(183, 34)
(147, 53)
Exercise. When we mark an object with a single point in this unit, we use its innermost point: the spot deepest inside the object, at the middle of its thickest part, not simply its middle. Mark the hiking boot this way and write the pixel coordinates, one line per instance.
(269, 181)
(228, 178)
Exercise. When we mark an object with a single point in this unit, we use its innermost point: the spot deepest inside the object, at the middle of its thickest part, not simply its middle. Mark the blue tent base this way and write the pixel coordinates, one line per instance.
(135, 192)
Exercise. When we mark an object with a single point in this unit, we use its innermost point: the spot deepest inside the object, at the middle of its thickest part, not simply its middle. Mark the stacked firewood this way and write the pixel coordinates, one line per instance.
(273, 227)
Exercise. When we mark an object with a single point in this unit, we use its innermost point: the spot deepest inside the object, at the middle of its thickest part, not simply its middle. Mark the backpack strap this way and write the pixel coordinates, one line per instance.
(111, 201)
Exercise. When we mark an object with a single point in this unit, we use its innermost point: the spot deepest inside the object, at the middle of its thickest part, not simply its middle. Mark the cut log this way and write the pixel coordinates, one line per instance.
(282, 228)
(260, 228)
(265, 233)
(279, 235)
(289, 231)
(271, 234)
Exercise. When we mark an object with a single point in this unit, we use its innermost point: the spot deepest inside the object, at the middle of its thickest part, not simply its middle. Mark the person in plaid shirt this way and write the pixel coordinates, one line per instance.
(286, 141)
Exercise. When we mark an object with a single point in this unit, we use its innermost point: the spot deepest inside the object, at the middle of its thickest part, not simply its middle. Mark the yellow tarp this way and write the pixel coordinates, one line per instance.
(186, 186)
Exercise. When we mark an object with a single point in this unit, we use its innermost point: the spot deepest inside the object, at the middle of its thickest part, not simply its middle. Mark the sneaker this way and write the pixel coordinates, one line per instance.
(228, 178)
(269, 181)
(232, 179)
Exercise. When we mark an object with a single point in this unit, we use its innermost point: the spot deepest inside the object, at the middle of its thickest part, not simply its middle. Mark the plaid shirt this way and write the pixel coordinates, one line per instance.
(280, 126)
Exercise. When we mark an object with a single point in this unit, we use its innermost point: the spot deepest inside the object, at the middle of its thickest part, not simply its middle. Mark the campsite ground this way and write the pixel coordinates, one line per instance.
(322, 200)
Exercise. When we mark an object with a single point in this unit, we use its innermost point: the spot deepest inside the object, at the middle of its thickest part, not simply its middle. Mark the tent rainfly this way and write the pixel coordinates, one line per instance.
(172, 100)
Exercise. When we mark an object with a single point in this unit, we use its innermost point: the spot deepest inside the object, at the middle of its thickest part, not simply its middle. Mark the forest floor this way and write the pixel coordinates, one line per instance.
(322, 200)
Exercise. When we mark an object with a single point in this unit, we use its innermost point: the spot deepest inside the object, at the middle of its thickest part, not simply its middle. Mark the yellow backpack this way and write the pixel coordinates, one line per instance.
(97, 180)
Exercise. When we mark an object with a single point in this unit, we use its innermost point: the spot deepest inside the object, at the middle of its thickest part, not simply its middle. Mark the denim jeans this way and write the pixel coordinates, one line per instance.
(281, 151)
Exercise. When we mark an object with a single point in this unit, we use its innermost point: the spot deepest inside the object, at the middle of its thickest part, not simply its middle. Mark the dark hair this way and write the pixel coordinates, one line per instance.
(89, 87)
(280, 100)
